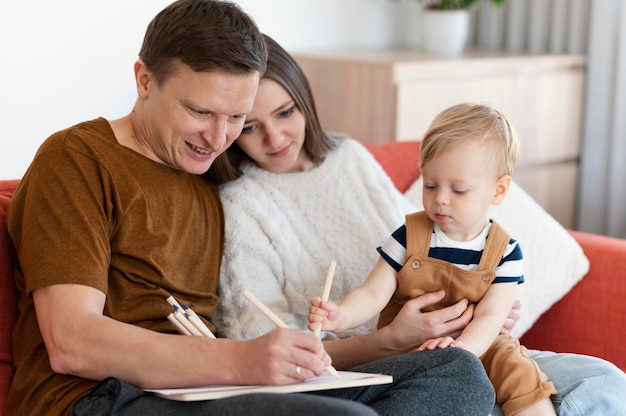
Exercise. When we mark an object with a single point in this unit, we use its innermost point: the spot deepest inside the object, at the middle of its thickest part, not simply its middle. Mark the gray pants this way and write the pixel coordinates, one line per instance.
(439, 382)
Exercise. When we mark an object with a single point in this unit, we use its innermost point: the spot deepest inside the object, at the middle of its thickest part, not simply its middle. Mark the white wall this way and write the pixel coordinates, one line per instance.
(65, 61)
(323, 24)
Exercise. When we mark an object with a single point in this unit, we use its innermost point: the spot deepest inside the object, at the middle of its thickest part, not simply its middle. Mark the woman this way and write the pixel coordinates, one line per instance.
(302, 198)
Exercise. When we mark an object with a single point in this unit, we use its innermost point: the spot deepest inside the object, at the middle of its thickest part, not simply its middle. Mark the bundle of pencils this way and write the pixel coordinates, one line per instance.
(186, 321)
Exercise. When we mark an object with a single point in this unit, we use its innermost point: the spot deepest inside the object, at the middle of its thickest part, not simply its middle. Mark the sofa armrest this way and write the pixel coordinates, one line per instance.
(8, 295)
(591, 318)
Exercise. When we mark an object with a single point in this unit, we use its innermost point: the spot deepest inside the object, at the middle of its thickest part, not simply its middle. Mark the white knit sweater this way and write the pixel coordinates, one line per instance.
(282, 231)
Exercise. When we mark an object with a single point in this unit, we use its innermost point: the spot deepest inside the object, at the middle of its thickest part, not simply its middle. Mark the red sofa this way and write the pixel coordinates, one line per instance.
(590, 319)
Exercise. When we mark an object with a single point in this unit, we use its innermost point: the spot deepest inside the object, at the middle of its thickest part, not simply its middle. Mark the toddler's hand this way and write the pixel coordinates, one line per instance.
(324, 313)
(441, 342)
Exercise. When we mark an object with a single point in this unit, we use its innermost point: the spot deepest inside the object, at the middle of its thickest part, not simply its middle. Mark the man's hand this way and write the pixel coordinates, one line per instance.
(283, 356)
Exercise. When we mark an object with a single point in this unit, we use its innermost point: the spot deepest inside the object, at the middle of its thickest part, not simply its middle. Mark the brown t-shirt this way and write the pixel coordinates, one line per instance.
(92, 212)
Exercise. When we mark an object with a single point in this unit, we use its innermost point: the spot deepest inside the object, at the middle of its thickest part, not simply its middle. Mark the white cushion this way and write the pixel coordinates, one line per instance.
(553, 260)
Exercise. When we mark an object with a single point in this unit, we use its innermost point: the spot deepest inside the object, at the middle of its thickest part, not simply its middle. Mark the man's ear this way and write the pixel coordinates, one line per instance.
(503, 183)
(143, 77)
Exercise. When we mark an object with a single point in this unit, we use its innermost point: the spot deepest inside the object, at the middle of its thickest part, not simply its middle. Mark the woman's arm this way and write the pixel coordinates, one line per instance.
(409, 329)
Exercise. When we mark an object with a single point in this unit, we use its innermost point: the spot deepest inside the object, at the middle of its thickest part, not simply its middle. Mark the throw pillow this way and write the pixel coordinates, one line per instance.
(553, 260)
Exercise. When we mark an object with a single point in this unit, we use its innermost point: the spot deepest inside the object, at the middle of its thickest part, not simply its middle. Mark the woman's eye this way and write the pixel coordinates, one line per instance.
(247, 129)
(286, 113)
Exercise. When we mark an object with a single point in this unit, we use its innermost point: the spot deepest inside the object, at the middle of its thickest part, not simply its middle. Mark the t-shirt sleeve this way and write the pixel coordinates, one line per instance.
(393, 250)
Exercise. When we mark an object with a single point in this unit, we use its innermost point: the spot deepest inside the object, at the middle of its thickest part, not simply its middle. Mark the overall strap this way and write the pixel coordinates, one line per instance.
(419, 230)
(496, 243)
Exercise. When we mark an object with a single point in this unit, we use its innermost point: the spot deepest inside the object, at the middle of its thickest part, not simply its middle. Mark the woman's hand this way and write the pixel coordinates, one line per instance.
(513, 317)
(412, 327)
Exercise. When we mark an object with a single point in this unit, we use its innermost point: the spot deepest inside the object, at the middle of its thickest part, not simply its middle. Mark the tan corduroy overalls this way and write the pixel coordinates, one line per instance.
(516, 378)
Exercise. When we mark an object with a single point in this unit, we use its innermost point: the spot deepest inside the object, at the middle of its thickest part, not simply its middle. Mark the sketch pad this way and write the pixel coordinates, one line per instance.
(323, 382)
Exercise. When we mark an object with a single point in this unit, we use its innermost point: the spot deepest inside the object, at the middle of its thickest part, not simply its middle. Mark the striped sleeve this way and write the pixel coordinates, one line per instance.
(511, 267)
(393, 250)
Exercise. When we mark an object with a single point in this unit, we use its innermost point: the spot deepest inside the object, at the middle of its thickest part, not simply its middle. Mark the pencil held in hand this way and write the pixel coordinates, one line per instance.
(326, 292)
(264, 309)
(277, 321)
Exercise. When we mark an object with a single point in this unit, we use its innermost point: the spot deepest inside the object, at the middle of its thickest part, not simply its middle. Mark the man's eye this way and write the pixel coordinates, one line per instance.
(200, 112)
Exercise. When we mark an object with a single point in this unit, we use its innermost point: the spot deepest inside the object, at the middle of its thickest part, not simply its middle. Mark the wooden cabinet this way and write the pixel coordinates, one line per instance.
(386, 95)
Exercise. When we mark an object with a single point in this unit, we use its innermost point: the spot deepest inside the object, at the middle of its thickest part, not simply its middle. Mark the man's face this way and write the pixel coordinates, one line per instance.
(192, 117)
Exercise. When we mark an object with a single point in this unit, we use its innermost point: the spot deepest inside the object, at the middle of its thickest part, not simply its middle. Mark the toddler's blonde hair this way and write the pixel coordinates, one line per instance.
(469, 121)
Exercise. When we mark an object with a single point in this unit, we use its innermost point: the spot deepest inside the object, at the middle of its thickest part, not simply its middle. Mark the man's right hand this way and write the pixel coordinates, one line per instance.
(283, 356)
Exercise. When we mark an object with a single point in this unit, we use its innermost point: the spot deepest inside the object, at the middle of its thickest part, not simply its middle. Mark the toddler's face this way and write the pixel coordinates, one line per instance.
(459, 186)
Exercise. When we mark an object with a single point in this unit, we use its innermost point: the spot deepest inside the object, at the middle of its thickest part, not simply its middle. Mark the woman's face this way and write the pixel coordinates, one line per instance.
(274, 131)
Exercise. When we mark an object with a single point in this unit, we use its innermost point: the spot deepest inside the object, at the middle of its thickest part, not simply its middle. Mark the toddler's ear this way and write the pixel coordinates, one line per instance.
(503, 183)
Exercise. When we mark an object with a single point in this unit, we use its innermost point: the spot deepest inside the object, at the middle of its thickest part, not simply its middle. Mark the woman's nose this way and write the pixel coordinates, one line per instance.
(274, 136)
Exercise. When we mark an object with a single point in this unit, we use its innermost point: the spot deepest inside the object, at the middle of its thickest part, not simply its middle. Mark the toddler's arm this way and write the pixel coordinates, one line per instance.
(358, 306)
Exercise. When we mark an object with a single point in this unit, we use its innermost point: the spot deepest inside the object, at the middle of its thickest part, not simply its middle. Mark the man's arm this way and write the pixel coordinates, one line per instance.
(81, 341)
